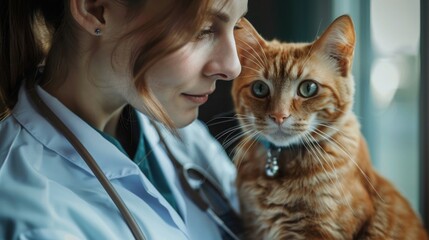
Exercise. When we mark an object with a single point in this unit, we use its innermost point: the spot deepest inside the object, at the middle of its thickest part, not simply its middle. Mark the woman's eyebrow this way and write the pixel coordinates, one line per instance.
(225, 17)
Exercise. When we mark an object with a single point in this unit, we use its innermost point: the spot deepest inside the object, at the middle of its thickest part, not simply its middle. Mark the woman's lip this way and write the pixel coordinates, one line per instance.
(199, 99)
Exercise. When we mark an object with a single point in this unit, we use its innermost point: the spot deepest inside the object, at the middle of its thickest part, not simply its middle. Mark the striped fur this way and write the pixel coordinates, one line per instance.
(327, 188)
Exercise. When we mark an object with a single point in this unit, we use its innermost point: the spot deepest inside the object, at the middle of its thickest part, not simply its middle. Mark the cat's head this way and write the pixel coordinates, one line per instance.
(287, 91)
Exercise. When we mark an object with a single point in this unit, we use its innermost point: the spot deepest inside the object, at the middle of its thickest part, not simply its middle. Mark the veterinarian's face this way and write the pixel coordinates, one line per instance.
(184, 80)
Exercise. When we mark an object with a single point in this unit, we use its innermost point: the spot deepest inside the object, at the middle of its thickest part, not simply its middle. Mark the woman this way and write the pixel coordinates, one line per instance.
(108, 65)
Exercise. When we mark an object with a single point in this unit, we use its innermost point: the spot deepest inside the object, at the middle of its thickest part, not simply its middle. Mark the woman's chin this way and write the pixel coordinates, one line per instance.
(184, 119)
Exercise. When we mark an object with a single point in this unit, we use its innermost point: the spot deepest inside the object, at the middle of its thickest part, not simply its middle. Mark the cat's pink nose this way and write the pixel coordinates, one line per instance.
(278, 118)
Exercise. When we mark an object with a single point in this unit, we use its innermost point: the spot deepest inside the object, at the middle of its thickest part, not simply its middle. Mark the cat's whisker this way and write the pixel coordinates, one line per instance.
(254, 120)
(332, 166)
(336, 130)
(253, 69)
(247, 120)
(244, 115)
(332, 140)
(228, 133)
(254, 50)
(251, 137)
(259, 44)
(222, 117)
(312, 152)
(247, 76)
(258, 64)
(235, 128)
(315, 152)
(254, 58)
(236, 153)
(255, 54)
(225, 120)
(330, 122)
(328, 126)
(342, 149)
(230, 140)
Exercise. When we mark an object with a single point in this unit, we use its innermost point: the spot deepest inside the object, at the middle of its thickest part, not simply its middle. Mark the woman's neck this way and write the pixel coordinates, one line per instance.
(96, 103)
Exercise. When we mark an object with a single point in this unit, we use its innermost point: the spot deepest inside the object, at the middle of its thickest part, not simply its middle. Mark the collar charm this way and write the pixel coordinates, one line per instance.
(272, 168)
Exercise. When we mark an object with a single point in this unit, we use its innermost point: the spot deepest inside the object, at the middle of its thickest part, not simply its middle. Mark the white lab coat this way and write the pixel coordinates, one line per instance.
(48, 192)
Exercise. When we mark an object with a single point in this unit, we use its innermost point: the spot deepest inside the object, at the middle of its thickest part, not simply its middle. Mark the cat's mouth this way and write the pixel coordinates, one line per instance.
(284, 137)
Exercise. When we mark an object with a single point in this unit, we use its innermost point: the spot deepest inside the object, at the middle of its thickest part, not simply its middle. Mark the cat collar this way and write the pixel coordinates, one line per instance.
(272, 169)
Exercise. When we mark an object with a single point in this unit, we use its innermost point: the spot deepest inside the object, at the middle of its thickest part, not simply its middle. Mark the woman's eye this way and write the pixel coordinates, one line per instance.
(308, 88)
(260, 89)
(205, 32)
(238, 27)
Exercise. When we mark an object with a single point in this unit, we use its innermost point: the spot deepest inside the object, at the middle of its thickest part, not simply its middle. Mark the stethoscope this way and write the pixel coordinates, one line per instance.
(202, 190)
(191, 177)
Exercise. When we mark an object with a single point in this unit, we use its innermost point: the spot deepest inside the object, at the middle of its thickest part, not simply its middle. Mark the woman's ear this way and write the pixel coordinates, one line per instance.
(89, 14)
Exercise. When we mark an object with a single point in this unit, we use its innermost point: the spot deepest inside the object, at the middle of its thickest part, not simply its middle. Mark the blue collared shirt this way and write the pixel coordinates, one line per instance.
(48, 192)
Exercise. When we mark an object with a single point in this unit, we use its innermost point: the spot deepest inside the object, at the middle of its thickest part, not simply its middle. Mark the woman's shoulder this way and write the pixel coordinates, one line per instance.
(18, 179)
(10, 131)
(16, 141)
(9, 128)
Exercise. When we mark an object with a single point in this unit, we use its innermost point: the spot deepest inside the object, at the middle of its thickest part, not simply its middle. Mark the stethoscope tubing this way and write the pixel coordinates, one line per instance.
(117, 200)
(92, 164)
(189, 190)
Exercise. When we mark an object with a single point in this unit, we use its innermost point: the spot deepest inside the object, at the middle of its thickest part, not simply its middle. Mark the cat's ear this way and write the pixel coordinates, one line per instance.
(338, 43)
(248, 40)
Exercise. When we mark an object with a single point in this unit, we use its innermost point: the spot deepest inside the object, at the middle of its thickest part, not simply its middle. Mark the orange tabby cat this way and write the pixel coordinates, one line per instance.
(304, 170)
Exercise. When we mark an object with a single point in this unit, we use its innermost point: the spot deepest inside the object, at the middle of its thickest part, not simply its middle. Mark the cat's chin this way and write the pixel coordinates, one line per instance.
(283, 140)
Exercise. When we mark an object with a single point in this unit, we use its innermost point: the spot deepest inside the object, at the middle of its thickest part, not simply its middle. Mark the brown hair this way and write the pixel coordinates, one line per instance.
(32, 31)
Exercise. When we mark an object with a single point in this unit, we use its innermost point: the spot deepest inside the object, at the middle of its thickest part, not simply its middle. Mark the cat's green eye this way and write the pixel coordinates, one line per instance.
(260, 89)
(308, 88)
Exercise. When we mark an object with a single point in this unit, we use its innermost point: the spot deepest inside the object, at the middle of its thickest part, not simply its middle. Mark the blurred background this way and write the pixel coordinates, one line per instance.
(391, 99)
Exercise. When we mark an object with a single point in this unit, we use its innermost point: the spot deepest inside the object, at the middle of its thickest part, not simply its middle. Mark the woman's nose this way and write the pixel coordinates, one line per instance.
(224, 63)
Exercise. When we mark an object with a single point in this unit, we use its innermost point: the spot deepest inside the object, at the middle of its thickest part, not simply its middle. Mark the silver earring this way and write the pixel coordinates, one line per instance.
(97, 32)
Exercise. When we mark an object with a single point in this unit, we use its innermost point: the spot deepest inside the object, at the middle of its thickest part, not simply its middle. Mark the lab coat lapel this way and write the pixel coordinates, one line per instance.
(169, 171)
(111, 160)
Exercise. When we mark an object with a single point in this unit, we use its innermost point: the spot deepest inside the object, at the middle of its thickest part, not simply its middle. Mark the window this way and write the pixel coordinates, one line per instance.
(394, 89)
